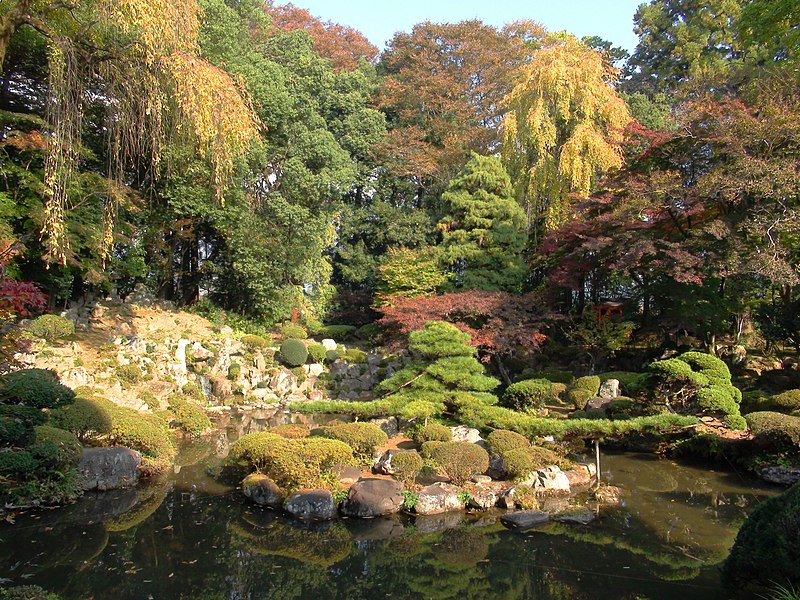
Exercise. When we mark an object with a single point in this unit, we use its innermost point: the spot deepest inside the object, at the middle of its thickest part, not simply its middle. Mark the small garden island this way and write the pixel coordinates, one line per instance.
(492, 312)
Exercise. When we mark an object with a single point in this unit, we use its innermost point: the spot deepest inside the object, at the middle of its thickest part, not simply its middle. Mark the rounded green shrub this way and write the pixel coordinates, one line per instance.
(717, 399)
(289, 331)
(621, 407)
(363, 438)
(557, 390)
(294, 353)
(58, 448)
(777, 431)
(27, 592)
(317, 352)
(767, 547)
(502, 440)
(37, 388)
(433, 432)
(130, 373)
(427, 448)
(331, 356)
(521, 462)
(291, 430)
(368, 332)
(51, 328)
(785, 402)
(147, 434)
(86, 418)
(17, 422)
(234, 370)
(578, 397)
(407, 466)
(595, 413)
(354, 355)
(17, 463)
(528, 395)
(710, 366)
(187, 416)
(577, 414)
(460, 460)
(193, 391)
(255, 342)
(590, 383)
(735, 422)
(338, 332)
(554, 376)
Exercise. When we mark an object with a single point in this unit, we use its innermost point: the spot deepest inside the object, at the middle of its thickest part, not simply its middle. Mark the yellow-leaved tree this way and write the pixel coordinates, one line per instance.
(563, 129)
(140, 57)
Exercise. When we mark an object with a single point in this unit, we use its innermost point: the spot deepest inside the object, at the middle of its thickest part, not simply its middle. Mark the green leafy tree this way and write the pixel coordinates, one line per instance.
(409, 273)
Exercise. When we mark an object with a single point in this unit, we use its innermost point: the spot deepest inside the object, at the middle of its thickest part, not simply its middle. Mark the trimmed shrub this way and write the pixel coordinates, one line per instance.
(255, 341)
(188, 417)
(331, 356)
(317, 353)
(363, 438)
(710, 366)
(717, 399)
(17, 422)
(557, 389)
(288, 331)
(292, 431)
(786, 402)
(292, 463)
(427, 448)
(590, 383)
(86, 418)
(407, 466)
(775, 430)
(735, 422)
(147, 434)
(502, 440)
(234, 370)
(578, 397)
(460, 460)
(38, 388)
(621, 407)
(354, 355)
(338, 332)
(51, 328)
(521, 462)
(433, 432)
(767, 547)
(528, 395)
(57, 448)
(294, 353)
(27, 592)
(554, 376)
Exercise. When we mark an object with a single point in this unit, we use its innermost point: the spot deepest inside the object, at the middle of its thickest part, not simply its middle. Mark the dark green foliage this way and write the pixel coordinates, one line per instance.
(776, 431)
(578, 397)
(433, 432)
(338, 332)
(528, 395)
(439, 339)
(38, 388)
(368, 332)
(255, 341)
(294, 353)
(555, 375)
(363, 438)
(621, 407)
(710, 366)
(17, 463)
(407, 466)
(500, 441)
(27, 592)
(58, 449)
(767, 548)
(590, 383)
(427, 448)
(735, 422)
(86, 418)
(187, 416)
(293, 431)
(234, 370)
(521, 462)
(51, 328)
(17, 422)
(460, 460)
(288, 331)
(317, 353)
(130, 373)
(331, 356)
(595, 413)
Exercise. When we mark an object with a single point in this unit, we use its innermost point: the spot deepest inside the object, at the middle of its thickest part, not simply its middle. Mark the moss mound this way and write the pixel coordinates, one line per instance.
(363, 438)
(51, 328)
(433, 432)
(460, 460)
(503, 440)
(776, 431)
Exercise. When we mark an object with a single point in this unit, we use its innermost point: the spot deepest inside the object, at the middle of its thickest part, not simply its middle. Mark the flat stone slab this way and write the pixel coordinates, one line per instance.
(577, 516)
(523, 520)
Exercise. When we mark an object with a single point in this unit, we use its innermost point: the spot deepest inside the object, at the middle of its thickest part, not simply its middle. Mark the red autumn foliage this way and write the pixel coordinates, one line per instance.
(17, 298)
(499, 323)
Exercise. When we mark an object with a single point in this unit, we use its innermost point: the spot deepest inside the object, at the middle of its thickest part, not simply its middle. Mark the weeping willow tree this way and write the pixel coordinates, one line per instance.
(141, 58)
(562, 131)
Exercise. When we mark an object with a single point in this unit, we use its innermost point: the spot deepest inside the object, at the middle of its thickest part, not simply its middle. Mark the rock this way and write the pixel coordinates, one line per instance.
(524, 519)
(598, 403)
(136, 345)
(262, 490)
(180, 352)
(591, 468)
(226, 330)
(438, 498)
(578, 477)
(482, 499)
(577, 516)
(109, 468)
(200, 353)
(346, 474)
(481, 479)
(462, 433)
(387, 424)
(440, 522)
(609, 495)
(313, 370)
(550, 479)
(384, 462)
(283, 382)
(315, 395)
(75, 378)
(506, 499)
(329, 344)
(311, 505)
(497, 467)
(609, 389)
(781, 475)
(373, 498)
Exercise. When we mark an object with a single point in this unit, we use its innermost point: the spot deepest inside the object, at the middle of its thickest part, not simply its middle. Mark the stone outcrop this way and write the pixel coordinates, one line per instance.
(524, 519)
(373, 498)
(262, 490)
(109, 468)
(438, 498)
(311, 505)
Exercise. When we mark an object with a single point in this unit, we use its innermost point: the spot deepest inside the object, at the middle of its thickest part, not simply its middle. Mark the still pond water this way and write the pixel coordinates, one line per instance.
(190, 537)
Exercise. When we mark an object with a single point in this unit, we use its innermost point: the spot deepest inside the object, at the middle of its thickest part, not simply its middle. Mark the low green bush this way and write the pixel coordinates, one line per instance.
(528, 395)
(460, 460)
(317, 352)
(407, 466)
(130, 373)
(557, 390)
(51, 328)
(294, 353)
(363, 438)
(291, 430)
(147, 434)
(427, 448)
(37, 388)
(354, 355)
(234, 370)
(777, 431)
(194, 392)
(432, 432)
(187, 416)
(554, 376)
(331, 356)
(521, 462)
(338, 332)
(578, 397)
(86, 418)
(289, 331)
(590, 383)
(712, 367)
(57, 448)
(368, 332)
(735, 422)
(255, 342)
(785, 402)
(767, 547)
(500, 441)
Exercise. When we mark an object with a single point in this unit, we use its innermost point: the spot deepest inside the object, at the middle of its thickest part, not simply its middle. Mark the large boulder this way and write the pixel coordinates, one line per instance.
(482, 499)
(781, 475)
(550, 480)
(109, 468)
(329, 344)
(311, 505)
(609, 389)
(438, 498)
(262, 490)
(387, 424)
(524, 519)
(462, 433)
(373, 498)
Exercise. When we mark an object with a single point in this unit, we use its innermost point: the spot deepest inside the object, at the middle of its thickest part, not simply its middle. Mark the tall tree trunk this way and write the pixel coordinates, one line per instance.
(9, 23)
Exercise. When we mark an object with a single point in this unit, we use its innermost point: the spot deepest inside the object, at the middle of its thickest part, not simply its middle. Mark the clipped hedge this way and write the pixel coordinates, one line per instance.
(57, 448)
(338, 332)
(433, 432)
(187, 416)
(37, 388)
(407, 466)
(354, 355)
(317, 353)
(147, 434)
(255, 342)
(51, 328)
(590, 383)
(288, 331)
(578, 397)
(460, 460)
(294, 353)
(500, 441)
(775, 430)
(86, 418)
(528, 395)
(363, 438)
(293, 431)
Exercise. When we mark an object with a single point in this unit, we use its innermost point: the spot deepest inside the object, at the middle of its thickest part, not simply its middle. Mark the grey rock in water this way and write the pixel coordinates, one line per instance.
(311, 505)
(262, 490)
(482, 499)
(438, 498)
(577, 516)
(373, 498)
(109, 468)
(781, 475)
(524, 519)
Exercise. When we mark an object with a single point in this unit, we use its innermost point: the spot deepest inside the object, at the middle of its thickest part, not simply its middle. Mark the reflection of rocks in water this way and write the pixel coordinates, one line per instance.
(97, 507)
(151, 496)
(440, 522)
(462, 546)
(322, 546)
(384, 528)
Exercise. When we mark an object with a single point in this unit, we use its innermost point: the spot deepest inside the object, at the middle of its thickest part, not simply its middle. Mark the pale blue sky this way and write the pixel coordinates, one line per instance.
(610, 19)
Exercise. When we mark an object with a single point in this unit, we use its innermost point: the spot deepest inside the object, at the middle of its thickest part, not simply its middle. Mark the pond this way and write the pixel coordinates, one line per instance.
(186, 536)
